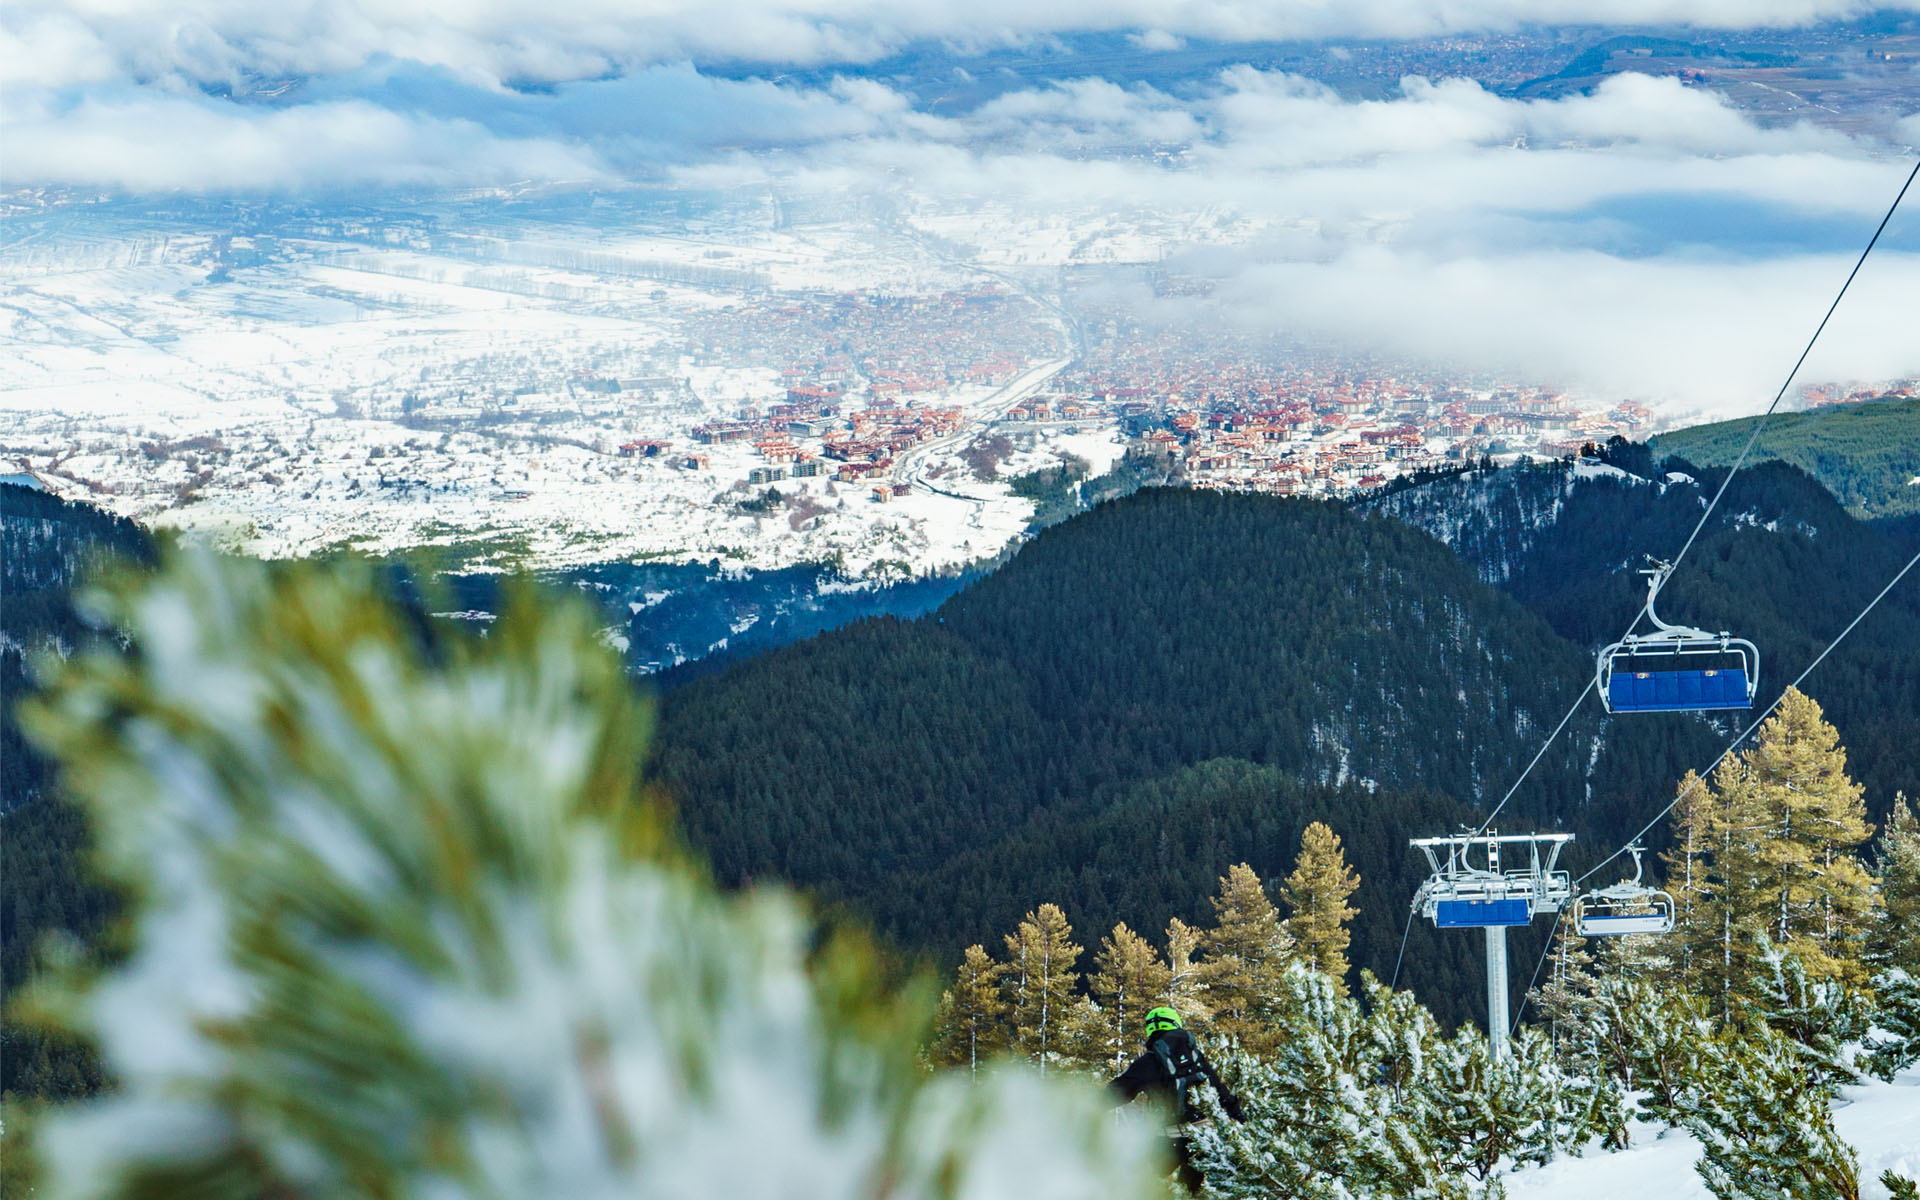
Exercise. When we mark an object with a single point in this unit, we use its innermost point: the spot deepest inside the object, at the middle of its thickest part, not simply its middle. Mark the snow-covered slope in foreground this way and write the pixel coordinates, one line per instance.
(1881, 1121)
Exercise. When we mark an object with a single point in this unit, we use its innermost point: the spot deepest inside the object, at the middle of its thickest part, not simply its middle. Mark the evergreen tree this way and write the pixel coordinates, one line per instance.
(1894, 1043)
(1186, 985)
(1567, 1000)
(1688, 874)
(1316, 893)
(1895, 940)
(1128, 979)
(404, 923)
(1041, 981)
(971, 1022)
(1308, 1127)
(1654, 1041)
(1738, 902)
(1821, 1017)
(1377, 1104)
(1813, 819)
(1083, 1036)
(1247, 956)
(1481, 1111)
(1764, 1126)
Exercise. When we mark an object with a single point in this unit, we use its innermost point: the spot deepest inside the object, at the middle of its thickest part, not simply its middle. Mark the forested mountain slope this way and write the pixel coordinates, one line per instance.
(44, 544)
(1867, 455)
(1780, 562)
(1182, 680)
(1148, 693)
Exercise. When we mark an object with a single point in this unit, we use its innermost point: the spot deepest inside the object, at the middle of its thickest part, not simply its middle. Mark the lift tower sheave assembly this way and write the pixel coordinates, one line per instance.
(1471, 889)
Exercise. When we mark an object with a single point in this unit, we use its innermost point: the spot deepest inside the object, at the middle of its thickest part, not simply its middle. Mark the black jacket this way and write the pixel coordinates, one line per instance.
(1149, 1074)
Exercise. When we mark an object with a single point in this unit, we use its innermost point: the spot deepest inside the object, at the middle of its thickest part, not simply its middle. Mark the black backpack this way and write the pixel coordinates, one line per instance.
(1181, 1057)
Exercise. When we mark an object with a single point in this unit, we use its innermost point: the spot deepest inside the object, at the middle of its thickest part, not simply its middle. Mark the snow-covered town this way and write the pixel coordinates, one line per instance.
(522, 393)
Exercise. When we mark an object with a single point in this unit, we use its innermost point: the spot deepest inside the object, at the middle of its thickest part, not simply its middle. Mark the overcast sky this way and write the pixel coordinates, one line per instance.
(1645, 239)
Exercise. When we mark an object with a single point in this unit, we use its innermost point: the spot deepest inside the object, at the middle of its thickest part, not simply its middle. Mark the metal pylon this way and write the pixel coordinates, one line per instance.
(1497, 990)
(1463, 893)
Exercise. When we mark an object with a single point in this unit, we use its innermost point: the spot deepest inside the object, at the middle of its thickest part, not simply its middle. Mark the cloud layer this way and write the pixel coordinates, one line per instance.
(1641, 239)
(66, 42)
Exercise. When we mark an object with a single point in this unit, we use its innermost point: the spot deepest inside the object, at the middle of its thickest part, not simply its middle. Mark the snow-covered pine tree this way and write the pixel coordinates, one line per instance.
(1895, 937)
(1316, 896)
(1482, 1112)
(970, 1024)
(1128, 979)
(1821, 1017)
(1764, 1125)
(406, 925)
(1893, 1044)
(1315, 1122)
(1041, 981)
(1654, 1038)
(1359, 1105)
(1588, 1101)
(1247, 953)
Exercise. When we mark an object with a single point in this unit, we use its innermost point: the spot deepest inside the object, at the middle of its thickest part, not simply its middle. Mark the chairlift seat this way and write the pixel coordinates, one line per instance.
(1590, 924)
(1678, 691)
(1627, 907)
(1477, 914)
(1728, 683)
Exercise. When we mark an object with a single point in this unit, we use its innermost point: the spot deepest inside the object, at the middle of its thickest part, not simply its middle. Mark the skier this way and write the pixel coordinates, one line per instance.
(1172, 1067)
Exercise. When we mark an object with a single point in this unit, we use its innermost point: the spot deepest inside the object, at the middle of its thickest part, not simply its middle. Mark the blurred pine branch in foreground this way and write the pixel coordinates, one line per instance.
(407, 924)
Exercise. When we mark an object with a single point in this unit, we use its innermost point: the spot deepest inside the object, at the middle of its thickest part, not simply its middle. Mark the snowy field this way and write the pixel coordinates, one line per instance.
(396, 386)
(1881, 1121)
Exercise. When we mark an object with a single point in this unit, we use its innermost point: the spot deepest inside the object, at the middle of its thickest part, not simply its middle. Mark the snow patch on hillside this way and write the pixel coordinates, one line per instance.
(1599, 470)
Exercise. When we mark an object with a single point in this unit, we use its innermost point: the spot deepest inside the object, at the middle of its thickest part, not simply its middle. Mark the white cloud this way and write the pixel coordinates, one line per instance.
(225, 40)
(1717, 335)
(170, 144)
(1668, 229)
(1646, 240)
(1156, 41)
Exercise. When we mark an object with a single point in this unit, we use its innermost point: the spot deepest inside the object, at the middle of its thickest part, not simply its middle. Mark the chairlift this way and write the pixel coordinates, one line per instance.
(1641, 672)
(1469, 890)
(1626, 907)
(1463, 895)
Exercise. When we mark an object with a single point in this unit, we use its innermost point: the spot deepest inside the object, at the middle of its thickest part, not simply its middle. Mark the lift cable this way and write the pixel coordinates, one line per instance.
(1724, 483)
(1545, 950)
(1743, 734)
(1400, 957)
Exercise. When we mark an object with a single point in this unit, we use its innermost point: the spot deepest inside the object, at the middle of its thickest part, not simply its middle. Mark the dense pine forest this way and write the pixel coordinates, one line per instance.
(1180, 681)
(45, 545)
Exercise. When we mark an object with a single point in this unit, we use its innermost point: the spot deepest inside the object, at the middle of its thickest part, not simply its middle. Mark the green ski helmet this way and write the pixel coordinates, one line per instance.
(1159, 1020)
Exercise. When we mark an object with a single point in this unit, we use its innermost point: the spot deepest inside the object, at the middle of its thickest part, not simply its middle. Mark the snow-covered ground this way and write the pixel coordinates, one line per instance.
(1881, 1121)
(387, 388)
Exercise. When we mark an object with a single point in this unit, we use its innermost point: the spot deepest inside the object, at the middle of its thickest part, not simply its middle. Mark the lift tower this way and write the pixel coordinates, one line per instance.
(1469, 889)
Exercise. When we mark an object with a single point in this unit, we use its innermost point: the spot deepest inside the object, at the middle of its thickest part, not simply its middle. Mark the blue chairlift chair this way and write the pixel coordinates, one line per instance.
(1642, 672)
